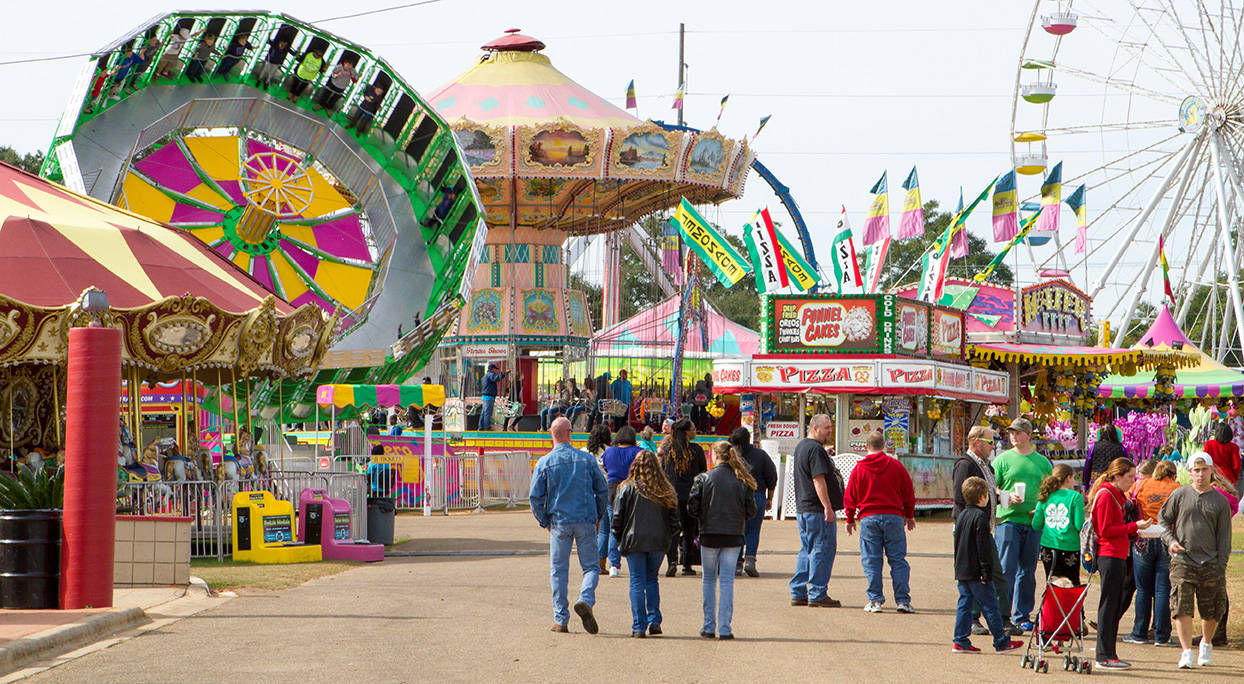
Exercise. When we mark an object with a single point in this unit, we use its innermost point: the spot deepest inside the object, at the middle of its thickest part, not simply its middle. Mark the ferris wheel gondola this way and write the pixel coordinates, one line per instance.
(1145, 103)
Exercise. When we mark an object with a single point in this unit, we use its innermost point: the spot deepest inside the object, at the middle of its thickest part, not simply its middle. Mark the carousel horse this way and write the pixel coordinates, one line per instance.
(175, 466)
(135, 470)
(235, 466)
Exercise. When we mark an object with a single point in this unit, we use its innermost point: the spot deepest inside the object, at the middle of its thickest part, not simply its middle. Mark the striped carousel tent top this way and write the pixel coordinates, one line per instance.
(1205, 378)
(342, 396)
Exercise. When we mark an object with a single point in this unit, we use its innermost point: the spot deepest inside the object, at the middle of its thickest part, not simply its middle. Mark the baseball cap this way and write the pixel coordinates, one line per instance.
(1199, 459)
(1021, 425)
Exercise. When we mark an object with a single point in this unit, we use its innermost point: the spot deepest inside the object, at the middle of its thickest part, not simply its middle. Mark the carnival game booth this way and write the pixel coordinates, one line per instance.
(870, 362)
(1043, 338)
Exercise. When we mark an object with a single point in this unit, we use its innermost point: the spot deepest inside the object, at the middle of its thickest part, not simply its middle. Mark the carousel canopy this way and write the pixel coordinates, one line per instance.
(1204, 377)
(654, 333)
(548, 153)
(183, 307)
(342, 396)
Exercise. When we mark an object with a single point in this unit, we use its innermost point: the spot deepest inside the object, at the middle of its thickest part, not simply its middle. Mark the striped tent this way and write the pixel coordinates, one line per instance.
(342, 396)
(1205, 378)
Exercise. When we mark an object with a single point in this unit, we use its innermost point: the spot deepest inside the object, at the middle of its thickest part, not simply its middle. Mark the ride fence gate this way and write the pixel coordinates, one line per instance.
(209, 505)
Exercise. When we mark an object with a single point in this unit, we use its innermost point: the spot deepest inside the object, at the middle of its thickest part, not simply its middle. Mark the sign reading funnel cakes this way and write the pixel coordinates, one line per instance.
(826, 324)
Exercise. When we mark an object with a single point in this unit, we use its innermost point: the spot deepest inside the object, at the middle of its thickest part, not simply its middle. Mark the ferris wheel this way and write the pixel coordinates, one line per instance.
(1143, 102)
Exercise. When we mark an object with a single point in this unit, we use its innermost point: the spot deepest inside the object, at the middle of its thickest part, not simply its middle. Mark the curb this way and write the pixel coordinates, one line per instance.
(26, 650)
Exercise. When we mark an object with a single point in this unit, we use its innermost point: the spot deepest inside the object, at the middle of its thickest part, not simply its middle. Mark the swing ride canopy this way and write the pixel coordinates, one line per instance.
(548, 153)
(1204, 377)
(654, 332)
(183, 309)
(342, 396)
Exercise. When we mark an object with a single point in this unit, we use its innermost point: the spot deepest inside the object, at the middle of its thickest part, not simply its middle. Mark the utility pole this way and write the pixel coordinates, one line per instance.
(682, 43)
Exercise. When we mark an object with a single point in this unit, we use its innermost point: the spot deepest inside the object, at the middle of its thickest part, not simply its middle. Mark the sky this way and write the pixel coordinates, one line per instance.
(854, 89)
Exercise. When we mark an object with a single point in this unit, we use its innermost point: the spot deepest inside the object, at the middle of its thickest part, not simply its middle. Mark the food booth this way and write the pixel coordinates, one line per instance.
(870, 362)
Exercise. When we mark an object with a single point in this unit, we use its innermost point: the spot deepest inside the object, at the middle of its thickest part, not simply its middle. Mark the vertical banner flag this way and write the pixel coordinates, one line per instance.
(1076, 201)
(1005, 222)
(876, 261)
(723, 108)
(846, 268)
(911, 223)
(671, 257)
(763, 120)
(711, 246)
(798, 270)
(877, 225)
(766, 254)
(682, 89)
(1166, 271)
(959, 243)
(630, 95)
(1051, 198)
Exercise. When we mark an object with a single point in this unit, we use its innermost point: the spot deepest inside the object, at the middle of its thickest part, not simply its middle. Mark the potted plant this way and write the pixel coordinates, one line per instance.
(30, 537)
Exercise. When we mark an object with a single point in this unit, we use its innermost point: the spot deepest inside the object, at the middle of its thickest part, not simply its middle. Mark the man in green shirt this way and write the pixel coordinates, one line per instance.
(1019, 472)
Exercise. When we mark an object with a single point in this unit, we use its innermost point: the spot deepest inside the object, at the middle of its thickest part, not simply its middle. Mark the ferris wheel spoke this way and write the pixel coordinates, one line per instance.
(1206, 70)
(1110, 127)
(319, 220)
(178, 197)
(326, 256)
(1206, 82)
(1137, 51)
(1119, 84)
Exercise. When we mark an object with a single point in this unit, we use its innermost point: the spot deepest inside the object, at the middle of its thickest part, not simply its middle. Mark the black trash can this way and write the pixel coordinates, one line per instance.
(381, 511)
(30, 559)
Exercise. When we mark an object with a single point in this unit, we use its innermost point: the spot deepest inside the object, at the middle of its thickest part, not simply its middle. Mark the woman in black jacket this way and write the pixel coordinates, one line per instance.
(1103, 453)
(760, 465)
(722, 501)
(645, 518)
(683, 460)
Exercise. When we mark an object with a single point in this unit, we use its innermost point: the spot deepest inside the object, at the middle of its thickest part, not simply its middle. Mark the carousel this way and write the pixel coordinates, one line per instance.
(553, 161)
(187, 315)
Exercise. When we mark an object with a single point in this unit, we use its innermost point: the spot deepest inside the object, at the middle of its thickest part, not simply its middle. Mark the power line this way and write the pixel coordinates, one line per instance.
(379, 11)
(45, 59)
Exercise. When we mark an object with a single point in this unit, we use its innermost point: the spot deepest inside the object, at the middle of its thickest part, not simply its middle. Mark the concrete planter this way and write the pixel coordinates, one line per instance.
(151, 550)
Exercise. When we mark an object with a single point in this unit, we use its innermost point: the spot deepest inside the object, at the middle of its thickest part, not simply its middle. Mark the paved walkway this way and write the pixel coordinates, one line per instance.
(15, 624)
(466, 617)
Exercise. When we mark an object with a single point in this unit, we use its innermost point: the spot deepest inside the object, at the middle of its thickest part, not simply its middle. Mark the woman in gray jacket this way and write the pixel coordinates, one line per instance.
(722, 501)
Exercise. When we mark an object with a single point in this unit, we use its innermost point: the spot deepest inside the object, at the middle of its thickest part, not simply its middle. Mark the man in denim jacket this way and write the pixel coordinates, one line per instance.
(569, 497)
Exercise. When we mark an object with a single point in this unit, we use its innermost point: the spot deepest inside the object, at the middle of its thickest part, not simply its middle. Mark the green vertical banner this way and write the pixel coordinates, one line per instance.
(727, 264)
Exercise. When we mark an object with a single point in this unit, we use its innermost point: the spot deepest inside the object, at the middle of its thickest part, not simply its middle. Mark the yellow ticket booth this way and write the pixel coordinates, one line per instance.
(263, 531)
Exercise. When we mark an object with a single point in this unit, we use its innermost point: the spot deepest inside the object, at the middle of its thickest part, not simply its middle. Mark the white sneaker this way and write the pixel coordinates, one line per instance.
(1186, 660)
(872, 607)
(615, 571)
(905, 608)
(1207, 652)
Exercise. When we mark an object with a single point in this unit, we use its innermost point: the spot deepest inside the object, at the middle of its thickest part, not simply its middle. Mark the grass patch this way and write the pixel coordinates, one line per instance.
(240, 575)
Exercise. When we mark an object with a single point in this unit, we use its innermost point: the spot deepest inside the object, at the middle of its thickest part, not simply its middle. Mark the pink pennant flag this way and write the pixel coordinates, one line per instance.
(959, 243)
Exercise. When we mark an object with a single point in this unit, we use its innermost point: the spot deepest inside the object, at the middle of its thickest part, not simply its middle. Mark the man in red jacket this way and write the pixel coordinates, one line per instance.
(880, 495)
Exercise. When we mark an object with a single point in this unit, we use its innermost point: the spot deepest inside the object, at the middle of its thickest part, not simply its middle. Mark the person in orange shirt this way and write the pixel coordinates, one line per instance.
(1152, 562)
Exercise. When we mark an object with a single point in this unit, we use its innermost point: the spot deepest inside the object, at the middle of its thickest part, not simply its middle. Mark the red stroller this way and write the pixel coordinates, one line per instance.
(1058, 631)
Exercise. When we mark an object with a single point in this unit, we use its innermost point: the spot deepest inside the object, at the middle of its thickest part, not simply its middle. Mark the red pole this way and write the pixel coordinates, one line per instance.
(91, 406)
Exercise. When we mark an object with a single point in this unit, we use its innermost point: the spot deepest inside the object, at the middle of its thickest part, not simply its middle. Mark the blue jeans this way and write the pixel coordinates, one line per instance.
(603, 535)
(485, 413)
(1018, 545)
(818, 544)
(583, 535)
(879, 534)
(751, 531)
(1151, 565)
(573, 412)
(982, 595)
(718, 564)
(645, 596)
(547, 414)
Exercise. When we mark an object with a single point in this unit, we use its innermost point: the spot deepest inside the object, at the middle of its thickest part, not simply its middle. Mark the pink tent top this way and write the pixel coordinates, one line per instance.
(1163, 333)
(653, 332)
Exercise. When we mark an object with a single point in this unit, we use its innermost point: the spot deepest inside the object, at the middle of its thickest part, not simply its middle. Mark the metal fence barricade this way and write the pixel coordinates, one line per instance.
(505, 478)
(353, 487)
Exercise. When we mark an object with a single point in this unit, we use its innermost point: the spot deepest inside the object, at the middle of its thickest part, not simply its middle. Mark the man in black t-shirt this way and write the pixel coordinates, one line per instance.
(818, 493)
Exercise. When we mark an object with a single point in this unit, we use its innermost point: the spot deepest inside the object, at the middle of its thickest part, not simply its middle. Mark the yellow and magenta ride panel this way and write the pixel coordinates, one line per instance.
(263, 531)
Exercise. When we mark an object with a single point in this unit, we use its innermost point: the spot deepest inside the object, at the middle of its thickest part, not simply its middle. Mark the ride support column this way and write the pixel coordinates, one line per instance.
(91, 405)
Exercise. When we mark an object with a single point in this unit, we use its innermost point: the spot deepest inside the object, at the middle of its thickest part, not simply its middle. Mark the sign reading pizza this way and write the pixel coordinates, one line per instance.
(823, 325)
(1053, 307)
(947, 334)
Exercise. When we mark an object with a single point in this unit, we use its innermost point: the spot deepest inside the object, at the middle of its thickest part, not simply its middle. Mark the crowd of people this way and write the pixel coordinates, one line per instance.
(601, 400)
(1157, 546)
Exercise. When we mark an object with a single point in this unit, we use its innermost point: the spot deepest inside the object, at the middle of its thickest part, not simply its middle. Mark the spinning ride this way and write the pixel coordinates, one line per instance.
(553, 160)
(1149, 98)
(372, 216)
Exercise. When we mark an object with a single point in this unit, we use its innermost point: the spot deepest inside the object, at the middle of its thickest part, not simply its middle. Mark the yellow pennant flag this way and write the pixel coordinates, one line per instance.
(726, 263)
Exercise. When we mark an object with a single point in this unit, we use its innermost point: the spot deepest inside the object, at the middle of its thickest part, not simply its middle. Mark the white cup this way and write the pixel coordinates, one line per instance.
(1020, 488)
(1004, 500)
